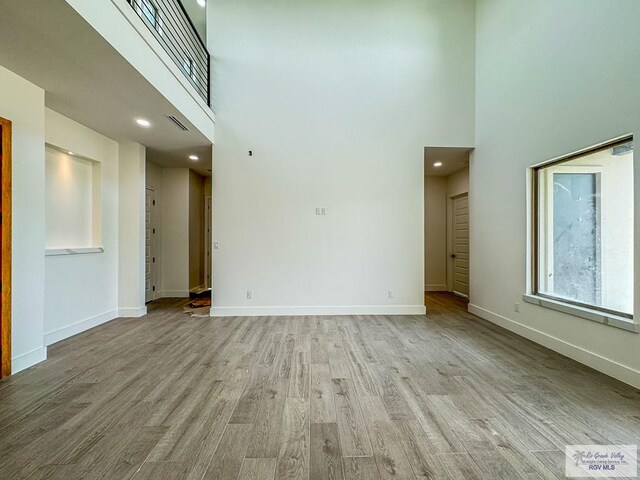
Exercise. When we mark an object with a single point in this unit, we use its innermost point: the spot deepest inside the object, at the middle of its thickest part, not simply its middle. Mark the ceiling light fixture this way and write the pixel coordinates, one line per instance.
(437, 164)
(202, 3)
(143, 123)
(194, 157)
(70, 153)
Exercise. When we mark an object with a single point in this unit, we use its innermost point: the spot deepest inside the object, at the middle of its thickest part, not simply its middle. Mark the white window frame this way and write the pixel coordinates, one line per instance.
(546, 247)
(538, 253)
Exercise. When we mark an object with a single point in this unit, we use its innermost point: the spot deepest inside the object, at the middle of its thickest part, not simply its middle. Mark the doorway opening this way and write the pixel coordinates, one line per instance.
(446, 225)
(5, 251)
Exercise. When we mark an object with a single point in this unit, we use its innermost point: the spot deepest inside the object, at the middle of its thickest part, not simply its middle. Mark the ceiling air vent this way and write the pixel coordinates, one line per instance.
(178, 123)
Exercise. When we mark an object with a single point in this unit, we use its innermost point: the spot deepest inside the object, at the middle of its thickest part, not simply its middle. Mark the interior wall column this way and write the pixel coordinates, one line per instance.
(131, 240)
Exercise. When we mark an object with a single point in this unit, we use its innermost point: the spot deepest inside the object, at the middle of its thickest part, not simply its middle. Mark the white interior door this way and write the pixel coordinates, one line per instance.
(460, 244)
(149, 252)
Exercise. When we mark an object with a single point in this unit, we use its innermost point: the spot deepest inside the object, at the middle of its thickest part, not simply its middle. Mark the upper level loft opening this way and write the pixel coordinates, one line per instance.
(180, 27)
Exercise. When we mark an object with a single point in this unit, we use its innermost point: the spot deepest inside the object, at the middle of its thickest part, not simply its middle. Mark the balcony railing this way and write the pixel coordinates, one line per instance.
(172, 27)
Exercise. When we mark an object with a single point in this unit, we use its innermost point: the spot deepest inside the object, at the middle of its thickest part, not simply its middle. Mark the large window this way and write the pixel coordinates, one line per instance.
(583, 229)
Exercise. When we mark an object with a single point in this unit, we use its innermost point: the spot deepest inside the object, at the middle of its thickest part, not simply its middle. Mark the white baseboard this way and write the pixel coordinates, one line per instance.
(29, 359)
(436, 287)
(296, 311)
(79, 327)
(175, 294)
(602, 364)
(132, 312)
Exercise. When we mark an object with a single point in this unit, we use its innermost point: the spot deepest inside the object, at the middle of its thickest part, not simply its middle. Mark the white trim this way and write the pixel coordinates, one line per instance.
(436, 287)
(337, 310)
(132, 312)
(54, 252)
(29, 359)
(605, 365)
(582, 151)
(604, 318)
(545, 213)
(79, 327)
(175, 294)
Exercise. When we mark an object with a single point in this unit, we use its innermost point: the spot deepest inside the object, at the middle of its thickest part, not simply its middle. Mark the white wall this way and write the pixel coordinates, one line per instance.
(552, 78)
(69, 200)
(131, 223)
(154, 176)
(458, 183)
(337, 101)
(175, 232)
(23, 104)
(435, 233)
(81, 291)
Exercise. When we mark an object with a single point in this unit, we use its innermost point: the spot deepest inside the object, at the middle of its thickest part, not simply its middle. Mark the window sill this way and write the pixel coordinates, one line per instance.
(55, 252)
(586, 313)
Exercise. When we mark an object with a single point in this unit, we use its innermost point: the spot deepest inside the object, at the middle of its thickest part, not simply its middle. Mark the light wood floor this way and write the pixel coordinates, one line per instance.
(446, 396)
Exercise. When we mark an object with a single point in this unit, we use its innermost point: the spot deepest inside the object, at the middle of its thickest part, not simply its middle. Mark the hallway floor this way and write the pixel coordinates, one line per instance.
(167, 396)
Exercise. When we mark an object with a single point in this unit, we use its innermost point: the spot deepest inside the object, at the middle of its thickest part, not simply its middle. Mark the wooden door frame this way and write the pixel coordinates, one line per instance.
(5, 321)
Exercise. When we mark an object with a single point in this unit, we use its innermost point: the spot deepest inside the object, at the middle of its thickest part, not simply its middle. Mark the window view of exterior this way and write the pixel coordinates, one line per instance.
(576, 237)
(585, 229)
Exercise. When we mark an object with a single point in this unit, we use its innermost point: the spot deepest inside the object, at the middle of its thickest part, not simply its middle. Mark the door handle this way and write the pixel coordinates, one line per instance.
(453, 255)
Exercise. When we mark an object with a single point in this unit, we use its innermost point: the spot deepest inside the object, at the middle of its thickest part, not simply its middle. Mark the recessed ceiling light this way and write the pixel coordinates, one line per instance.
(437, 164)
(143, 123)
(202, 3)
(194, 157)
(70, 153)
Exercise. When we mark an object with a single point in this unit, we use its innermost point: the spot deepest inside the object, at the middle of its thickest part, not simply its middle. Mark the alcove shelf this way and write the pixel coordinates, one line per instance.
(55, 252)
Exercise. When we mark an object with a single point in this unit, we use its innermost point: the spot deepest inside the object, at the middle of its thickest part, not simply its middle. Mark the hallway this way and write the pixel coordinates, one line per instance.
(167, 396)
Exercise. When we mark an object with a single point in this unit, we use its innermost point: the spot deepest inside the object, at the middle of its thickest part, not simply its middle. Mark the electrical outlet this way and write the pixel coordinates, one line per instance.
(390, 294)
(516, 307)
(321, 211)
(216, 245)
(249, 295)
